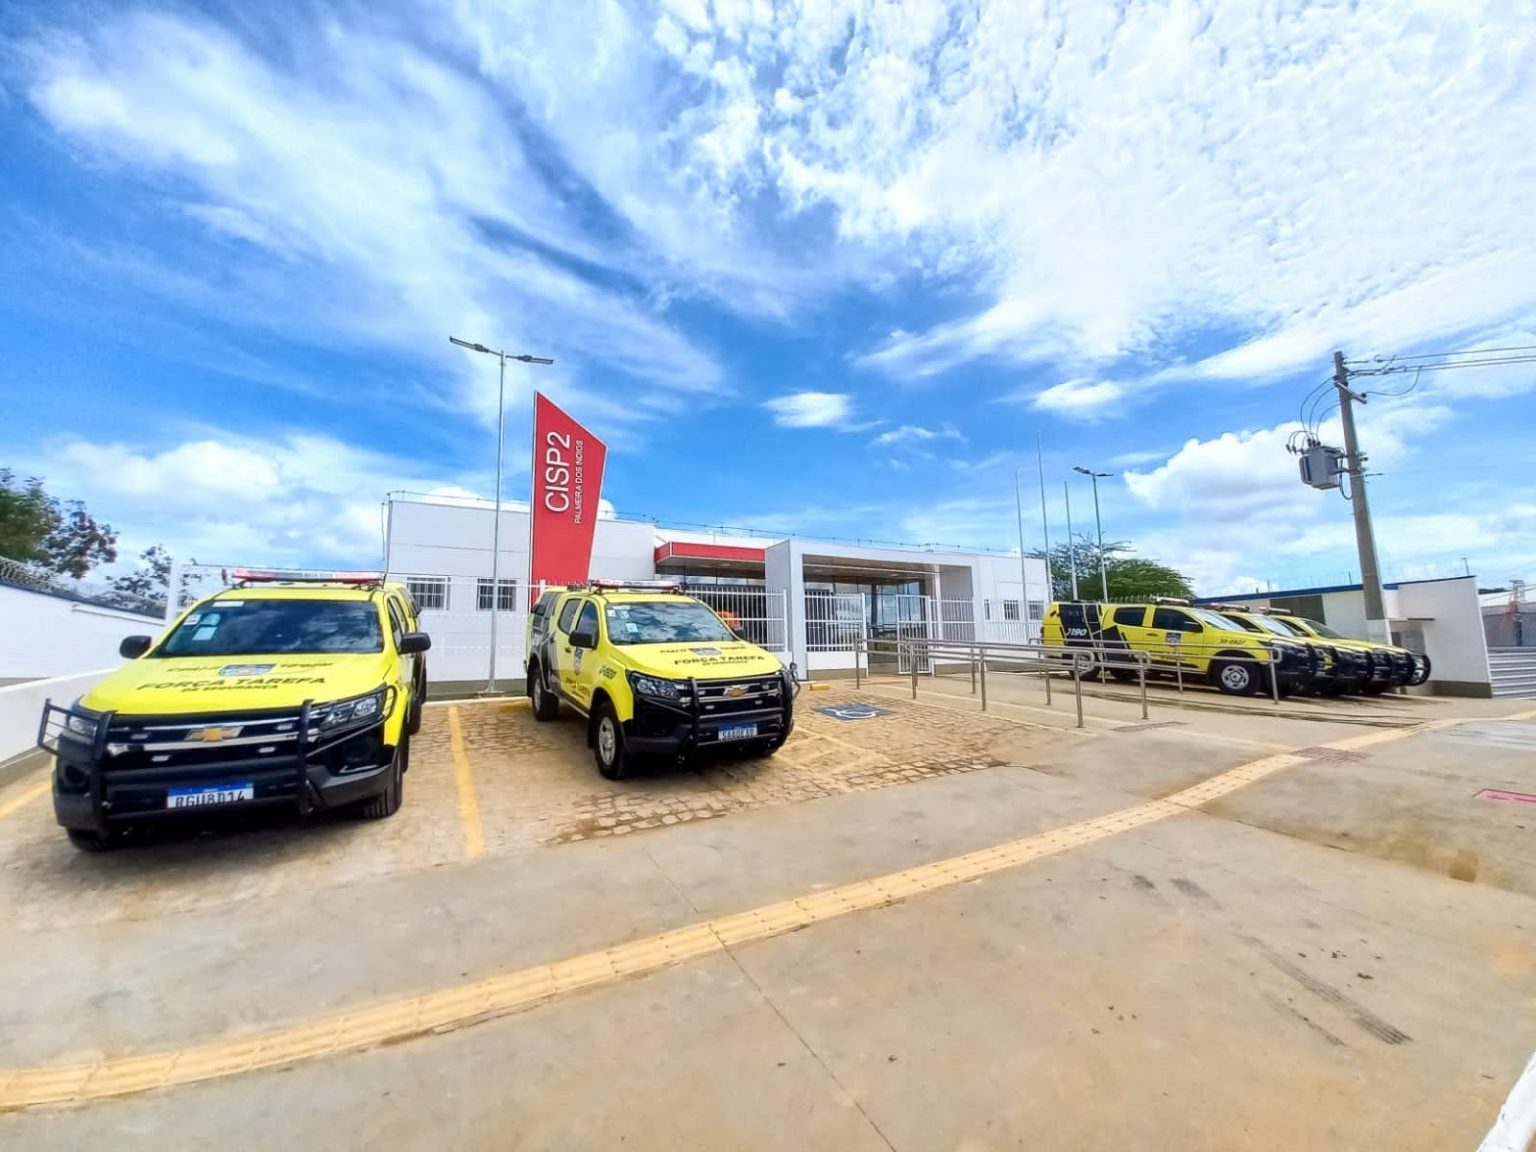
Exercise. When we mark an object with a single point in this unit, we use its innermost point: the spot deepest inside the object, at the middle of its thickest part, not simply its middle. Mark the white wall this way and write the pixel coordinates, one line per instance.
(44, 635)
(21, 707)
(1453, 635)
(426, 539)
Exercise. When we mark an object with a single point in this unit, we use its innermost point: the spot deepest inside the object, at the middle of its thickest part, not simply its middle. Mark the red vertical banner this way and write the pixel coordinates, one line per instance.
(567, 482)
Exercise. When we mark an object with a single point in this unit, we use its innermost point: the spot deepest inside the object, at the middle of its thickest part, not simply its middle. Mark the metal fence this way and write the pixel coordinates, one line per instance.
(38, 579)
(754, 613)
(834, 622)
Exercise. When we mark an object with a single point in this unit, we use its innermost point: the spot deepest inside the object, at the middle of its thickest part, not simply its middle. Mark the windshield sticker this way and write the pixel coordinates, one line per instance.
(231, 603)
(205, 632)
(194, 618)
(245, 669)
(630, 628)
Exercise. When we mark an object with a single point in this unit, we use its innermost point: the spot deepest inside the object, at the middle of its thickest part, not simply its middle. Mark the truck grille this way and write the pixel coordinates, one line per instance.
(727, 697)
(140, 743)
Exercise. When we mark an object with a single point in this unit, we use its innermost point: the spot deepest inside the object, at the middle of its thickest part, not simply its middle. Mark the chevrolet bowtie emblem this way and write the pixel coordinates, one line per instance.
(213, 735)
(736, 690)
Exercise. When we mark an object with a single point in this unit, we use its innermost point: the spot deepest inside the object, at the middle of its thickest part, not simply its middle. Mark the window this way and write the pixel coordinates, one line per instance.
(568, 615)
(506, 596)
(1172, 620)
(271, 627)
(1036, 609)
(588, 621)
(1133, 616)
(664, 622)
(397, 626)
(1010, 609)
(545, 604)
(429, 592)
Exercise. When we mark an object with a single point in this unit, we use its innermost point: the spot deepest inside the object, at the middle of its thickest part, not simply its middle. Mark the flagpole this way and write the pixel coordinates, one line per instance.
(1018, 504)
(1071, 546)
(1045, 524)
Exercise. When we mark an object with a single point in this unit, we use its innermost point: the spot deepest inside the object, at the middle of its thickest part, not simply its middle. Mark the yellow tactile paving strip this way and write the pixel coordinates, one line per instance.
(462, 1005)
(464, 781)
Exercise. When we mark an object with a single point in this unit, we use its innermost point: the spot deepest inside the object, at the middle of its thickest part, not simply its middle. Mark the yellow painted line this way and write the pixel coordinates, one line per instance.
(464, 779)
(463, 1005)
(22, 799)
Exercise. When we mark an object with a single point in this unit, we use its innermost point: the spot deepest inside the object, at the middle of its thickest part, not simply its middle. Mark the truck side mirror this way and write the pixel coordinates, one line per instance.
(413, 642)
(133, 647)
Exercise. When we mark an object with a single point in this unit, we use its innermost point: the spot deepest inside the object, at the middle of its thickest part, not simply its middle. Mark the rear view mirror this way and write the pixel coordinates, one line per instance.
(583, 640)
(413, 642)
(133, 647)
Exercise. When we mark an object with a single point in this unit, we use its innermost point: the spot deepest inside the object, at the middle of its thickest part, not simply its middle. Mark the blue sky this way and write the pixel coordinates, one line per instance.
(824, 266)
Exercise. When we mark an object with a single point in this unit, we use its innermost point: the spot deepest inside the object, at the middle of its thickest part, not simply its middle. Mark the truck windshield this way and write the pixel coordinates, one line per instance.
(663, 622)
(1321, 629)
(259, 627)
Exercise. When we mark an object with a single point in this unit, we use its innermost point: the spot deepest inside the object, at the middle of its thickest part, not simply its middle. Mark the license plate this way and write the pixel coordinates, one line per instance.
(203, 797)
(738, 732)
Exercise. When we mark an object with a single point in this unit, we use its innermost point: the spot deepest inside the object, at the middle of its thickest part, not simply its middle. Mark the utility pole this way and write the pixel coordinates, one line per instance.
(1376, 626)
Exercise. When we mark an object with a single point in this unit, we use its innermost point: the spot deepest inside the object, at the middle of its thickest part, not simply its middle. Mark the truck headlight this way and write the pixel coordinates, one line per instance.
(657, 689)
(79, 724)
(356, 710)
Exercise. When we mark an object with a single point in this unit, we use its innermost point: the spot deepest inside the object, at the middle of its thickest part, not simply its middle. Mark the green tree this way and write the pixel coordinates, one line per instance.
(59, 536)
(1130, 577)
(146, 588)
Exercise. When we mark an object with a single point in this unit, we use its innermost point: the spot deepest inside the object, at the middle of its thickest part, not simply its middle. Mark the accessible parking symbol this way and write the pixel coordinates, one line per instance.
(853, 711)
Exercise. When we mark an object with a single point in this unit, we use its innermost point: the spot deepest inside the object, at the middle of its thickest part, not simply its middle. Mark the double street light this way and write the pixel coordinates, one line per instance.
(1099, 524)
(501, 422)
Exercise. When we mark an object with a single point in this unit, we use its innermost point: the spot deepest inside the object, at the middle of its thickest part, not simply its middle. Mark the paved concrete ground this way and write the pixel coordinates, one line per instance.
(1340, 954)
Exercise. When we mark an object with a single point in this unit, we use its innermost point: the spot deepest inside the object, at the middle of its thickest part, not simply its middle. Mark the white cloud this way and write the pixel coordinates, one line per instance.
(1108, 180)
(297, 499)
(915, 434)
(810, 410)
(1079, 399)
(393, 191)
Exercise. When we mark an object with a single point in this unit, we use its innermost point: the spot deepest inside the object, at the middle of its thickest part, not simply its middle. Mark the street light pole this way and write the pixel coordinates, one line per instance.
(1099, 524)
(490, 688)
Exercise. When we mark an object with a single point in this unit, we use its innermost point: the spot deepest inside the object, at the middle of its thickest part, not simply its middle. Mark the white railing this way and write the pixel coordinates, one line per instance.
(755, 614)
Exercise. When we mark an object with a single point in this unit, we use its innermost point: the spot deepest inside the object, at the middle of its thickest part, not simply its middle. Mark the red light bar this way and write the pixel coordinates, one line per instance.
(263, 576)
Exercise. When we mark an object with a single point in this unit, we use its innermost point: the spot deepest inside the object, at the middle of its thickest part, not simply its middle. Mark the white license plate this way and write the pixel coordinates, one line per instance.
(203, 797)
(738, 732)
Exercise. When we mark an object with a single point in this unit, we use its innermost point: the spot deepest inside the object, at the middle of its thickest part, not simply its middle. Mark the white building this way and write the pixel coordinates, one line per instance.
(807, 600)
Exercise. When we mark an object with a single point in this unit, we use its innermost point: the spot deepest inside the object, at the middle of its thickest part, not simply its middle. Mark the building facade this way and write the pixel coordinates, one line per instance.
(809, 601)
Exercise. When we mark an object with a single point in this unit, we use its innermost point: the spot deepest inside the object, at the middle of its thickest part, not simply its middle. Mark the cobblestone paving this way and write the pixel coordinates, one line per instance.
(536, 786)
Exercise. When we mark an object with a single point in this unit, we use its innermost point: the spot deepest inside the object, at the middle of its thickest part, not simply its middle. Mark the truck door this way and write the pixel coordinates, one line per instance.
(1080, 626)
(398, 626)
(1176, 639)
(559, 653)
(578, 655)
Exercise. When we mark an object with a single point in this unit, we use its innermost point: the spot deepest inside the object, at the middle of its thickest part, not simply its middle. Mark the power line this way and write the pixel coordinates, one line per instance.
(1443, 355)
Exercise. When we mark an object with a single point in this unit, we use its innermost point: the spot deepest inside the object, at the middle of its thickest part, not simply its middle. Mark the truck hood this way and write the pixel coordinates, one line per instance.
(194, 684)
(711, 661)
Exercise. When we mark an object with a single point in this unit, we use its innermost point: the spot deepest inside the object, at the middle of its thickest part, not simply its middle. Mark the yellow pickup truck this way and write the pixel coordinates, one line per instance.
(654, 673)
(286, 691)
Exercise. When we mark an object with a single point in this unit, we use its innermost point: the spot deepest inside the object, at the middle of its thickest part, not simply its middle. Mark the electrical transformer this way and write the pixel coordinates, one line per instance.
(1321, 466)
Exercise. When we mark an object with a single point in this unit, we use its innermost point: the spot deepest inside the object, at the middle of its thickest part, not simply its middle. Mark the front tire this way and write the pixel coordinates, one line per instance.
(608, 743)
(387, 802)
(546, 705)
(1234, 677)
(88, 841)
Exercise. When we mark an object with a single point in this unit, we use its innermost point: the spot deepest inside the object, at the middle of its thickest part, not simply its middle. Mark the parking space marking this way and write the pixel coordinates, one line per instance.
(464, 781)
(463, 1005)
(25, 797)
